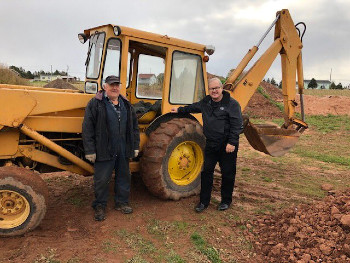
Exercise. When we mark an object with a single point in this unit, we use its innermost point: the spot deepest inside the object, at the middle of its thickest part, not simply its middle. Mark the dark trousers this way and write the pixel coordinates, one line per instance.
(227, 162)
(103, 175)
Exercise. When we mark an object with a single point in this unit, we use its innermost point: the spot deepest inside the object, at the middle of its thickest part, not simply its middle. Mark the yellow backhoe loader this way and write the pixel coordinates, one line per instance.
(42, 126)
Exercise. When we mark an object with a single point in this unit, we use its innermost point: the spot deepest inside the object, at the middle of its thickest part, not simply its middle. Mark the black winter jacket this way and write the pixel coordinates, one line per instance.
(96, 134)
(221, 124)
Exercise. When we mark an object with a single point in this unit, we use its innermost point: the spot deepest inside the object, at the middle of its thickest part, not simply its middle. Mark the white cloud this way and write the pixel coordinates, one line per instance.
(39, 33)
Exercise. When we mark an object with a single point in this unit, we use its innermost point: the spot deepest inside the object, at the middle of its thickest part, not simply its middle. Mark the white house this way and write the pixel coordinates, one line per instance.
(147, 79)
(321, 84)
(49, 77)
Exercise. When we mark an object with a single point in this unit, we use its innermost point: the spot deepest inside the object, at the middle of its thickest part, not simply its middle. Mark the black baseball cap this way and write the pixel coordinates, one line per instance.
(112, 79)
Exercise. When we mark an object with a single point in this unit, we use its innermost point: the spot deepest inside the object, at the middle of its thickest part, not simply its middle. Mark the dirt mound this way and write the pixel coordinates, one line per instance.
(8, 76)
(262, 107)
(273, 91)
(60, 84)
(306, 233)
(335, 105)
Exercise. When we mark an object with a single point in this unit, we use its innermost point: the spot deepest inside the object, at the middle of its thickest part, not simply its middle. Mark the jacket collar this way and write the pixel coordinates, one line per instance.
(225, 98)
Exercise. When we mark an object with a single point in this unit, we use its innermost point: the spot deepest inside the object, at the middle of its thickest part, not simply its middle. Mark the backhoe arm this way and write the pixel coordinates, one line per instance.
(288, 44)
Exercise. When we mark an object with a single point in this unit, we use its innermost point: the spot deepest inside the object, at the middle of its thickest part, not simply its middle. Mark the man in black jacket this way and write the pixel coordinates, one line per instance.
(222, 124)
(110, 137)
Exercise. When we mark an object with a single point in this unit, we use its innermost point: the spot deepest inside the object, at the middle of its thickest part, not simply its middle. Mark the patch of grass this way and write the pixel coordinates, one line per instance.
(49, 257)
(306, 187)
(279, 105)
(76, 197)
(329, 123)
(109, 246)
(136, 241)
(76, 201)
(328, 158)
(210, 252)
(158, 228)
(39, 83)
(137, 259)
(174, 258)
(265, 209)
(73, 260)
(266, 179)
(180, 225)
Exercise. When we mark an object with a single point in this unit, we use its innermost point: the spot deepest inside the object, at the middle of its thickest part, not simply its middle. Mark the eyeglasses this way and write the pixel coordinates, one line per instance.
(214, 88)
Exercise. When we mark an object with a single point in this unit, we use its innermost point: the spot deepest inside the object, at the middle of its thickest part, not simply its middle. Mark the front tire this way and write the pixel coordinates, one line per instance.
(173, 158)
(23, 201)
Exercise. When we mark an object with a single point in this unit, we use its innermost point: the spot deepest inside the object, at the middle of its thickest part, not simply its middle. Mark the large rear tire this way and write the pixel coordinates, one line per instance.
(173, 158)
(23, 201)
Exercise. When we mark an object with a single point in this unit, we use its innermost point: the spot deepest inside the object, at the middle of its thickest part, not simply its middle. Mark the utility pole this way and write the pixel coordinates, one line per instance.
(51, 74)
(330, 76)
(67, 72)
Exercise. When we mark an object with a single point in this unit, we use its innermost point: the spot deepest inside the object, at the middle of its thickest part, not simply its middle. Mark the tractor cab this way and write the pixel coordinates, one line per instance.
(156, 71)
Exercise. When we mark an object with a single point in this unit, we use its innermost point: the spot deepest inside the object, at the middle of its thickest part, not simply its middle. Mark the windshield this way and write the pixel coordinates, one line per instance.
(112, 60)
(93, 61)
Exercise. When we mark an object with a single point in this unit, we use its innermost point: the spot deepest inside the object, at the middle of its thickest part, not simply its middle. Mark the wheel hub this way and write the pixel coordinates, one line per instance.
(14, 209)
(185, 163)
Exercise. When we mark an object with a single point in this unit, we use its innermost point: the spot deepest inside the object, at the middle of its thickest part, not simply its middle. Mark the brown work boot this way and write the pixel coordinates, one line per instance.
(124, 208)
(100, 213)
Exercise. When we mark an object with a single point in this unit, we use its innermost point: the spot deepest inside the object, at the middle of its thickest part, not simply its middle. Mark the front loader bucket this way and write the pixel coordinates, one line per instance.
(270, 139)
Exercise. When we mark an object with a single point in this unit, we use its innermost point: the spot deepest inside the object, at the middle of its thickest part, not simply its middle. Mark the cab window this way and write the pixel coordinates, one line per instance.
(150, 77)
(187, 84)
(112, 61)
(93, 61)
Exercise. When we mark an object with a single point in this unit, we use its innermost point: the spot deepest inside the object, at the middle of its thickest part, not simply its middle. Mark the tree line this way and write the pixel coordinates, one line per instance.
(31, 75)
(311, 85)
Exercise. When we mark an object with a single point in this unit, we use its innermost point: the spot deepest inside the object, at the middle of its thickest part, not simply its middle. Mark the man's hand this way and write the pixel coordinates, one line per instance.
(173, 110)
(230, 148)
(136, 153)
(91, 157)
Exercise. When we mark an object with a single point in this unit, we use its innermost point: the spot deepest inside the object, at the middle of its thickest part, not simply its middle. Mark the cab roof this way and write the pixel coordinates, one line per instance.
(131, 32)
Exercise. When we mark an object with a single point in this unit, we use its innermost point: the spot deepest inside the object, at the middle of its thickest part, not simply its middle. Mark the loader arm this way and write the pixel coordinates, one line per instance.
(266, 138)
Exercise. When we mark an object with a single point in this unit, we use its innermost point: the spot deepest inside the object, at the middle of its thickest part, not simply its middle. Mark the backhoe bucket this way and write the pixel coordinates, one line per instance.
(271, 139)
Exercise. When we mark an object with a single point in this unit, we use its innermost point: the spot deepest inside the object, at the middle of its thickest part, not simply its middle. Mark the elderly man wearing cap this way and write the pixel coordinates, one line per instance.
(110, 137)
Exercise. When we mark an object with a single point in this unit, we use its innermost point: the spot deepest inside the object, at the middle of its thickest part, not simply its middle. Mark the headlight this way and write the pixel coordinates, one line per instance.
(91, 87)
(209, 49)
(82, 38)
(117, 30)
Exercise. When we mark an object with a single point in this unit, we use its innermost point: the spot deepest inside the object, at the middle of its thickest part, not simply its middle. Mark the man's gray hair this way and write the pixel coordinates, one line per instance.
(215, 79)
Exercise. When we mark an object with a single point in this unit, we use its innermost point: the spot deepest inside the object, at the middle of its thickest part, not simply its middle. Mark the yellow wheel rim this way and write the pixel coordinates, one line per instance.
(185, 163)
(14, 209)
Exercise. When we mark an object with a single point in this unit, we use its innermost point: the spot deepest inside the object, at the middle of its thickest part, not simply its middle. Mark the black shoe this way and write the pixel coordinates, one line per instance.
(124, 208)
(100, 213)
(200, 207)
(223, 207)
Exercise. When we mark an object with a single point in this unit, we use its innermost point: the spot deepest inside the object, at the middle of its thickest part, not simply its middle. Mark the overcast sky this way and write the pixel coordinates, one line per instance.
(36, 34)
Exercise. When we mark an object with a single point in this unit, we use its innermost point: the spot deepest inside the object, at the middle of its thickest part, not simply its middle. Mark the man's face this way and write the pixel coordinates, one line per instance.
(112, 90)
(215, 91)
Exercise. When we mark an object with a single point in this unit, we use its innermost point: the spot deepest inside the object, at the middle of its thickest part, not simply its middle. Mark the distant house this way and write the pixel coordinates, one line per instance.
(70, 78)
(321, 84)
(49, 78)
(147, 79)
